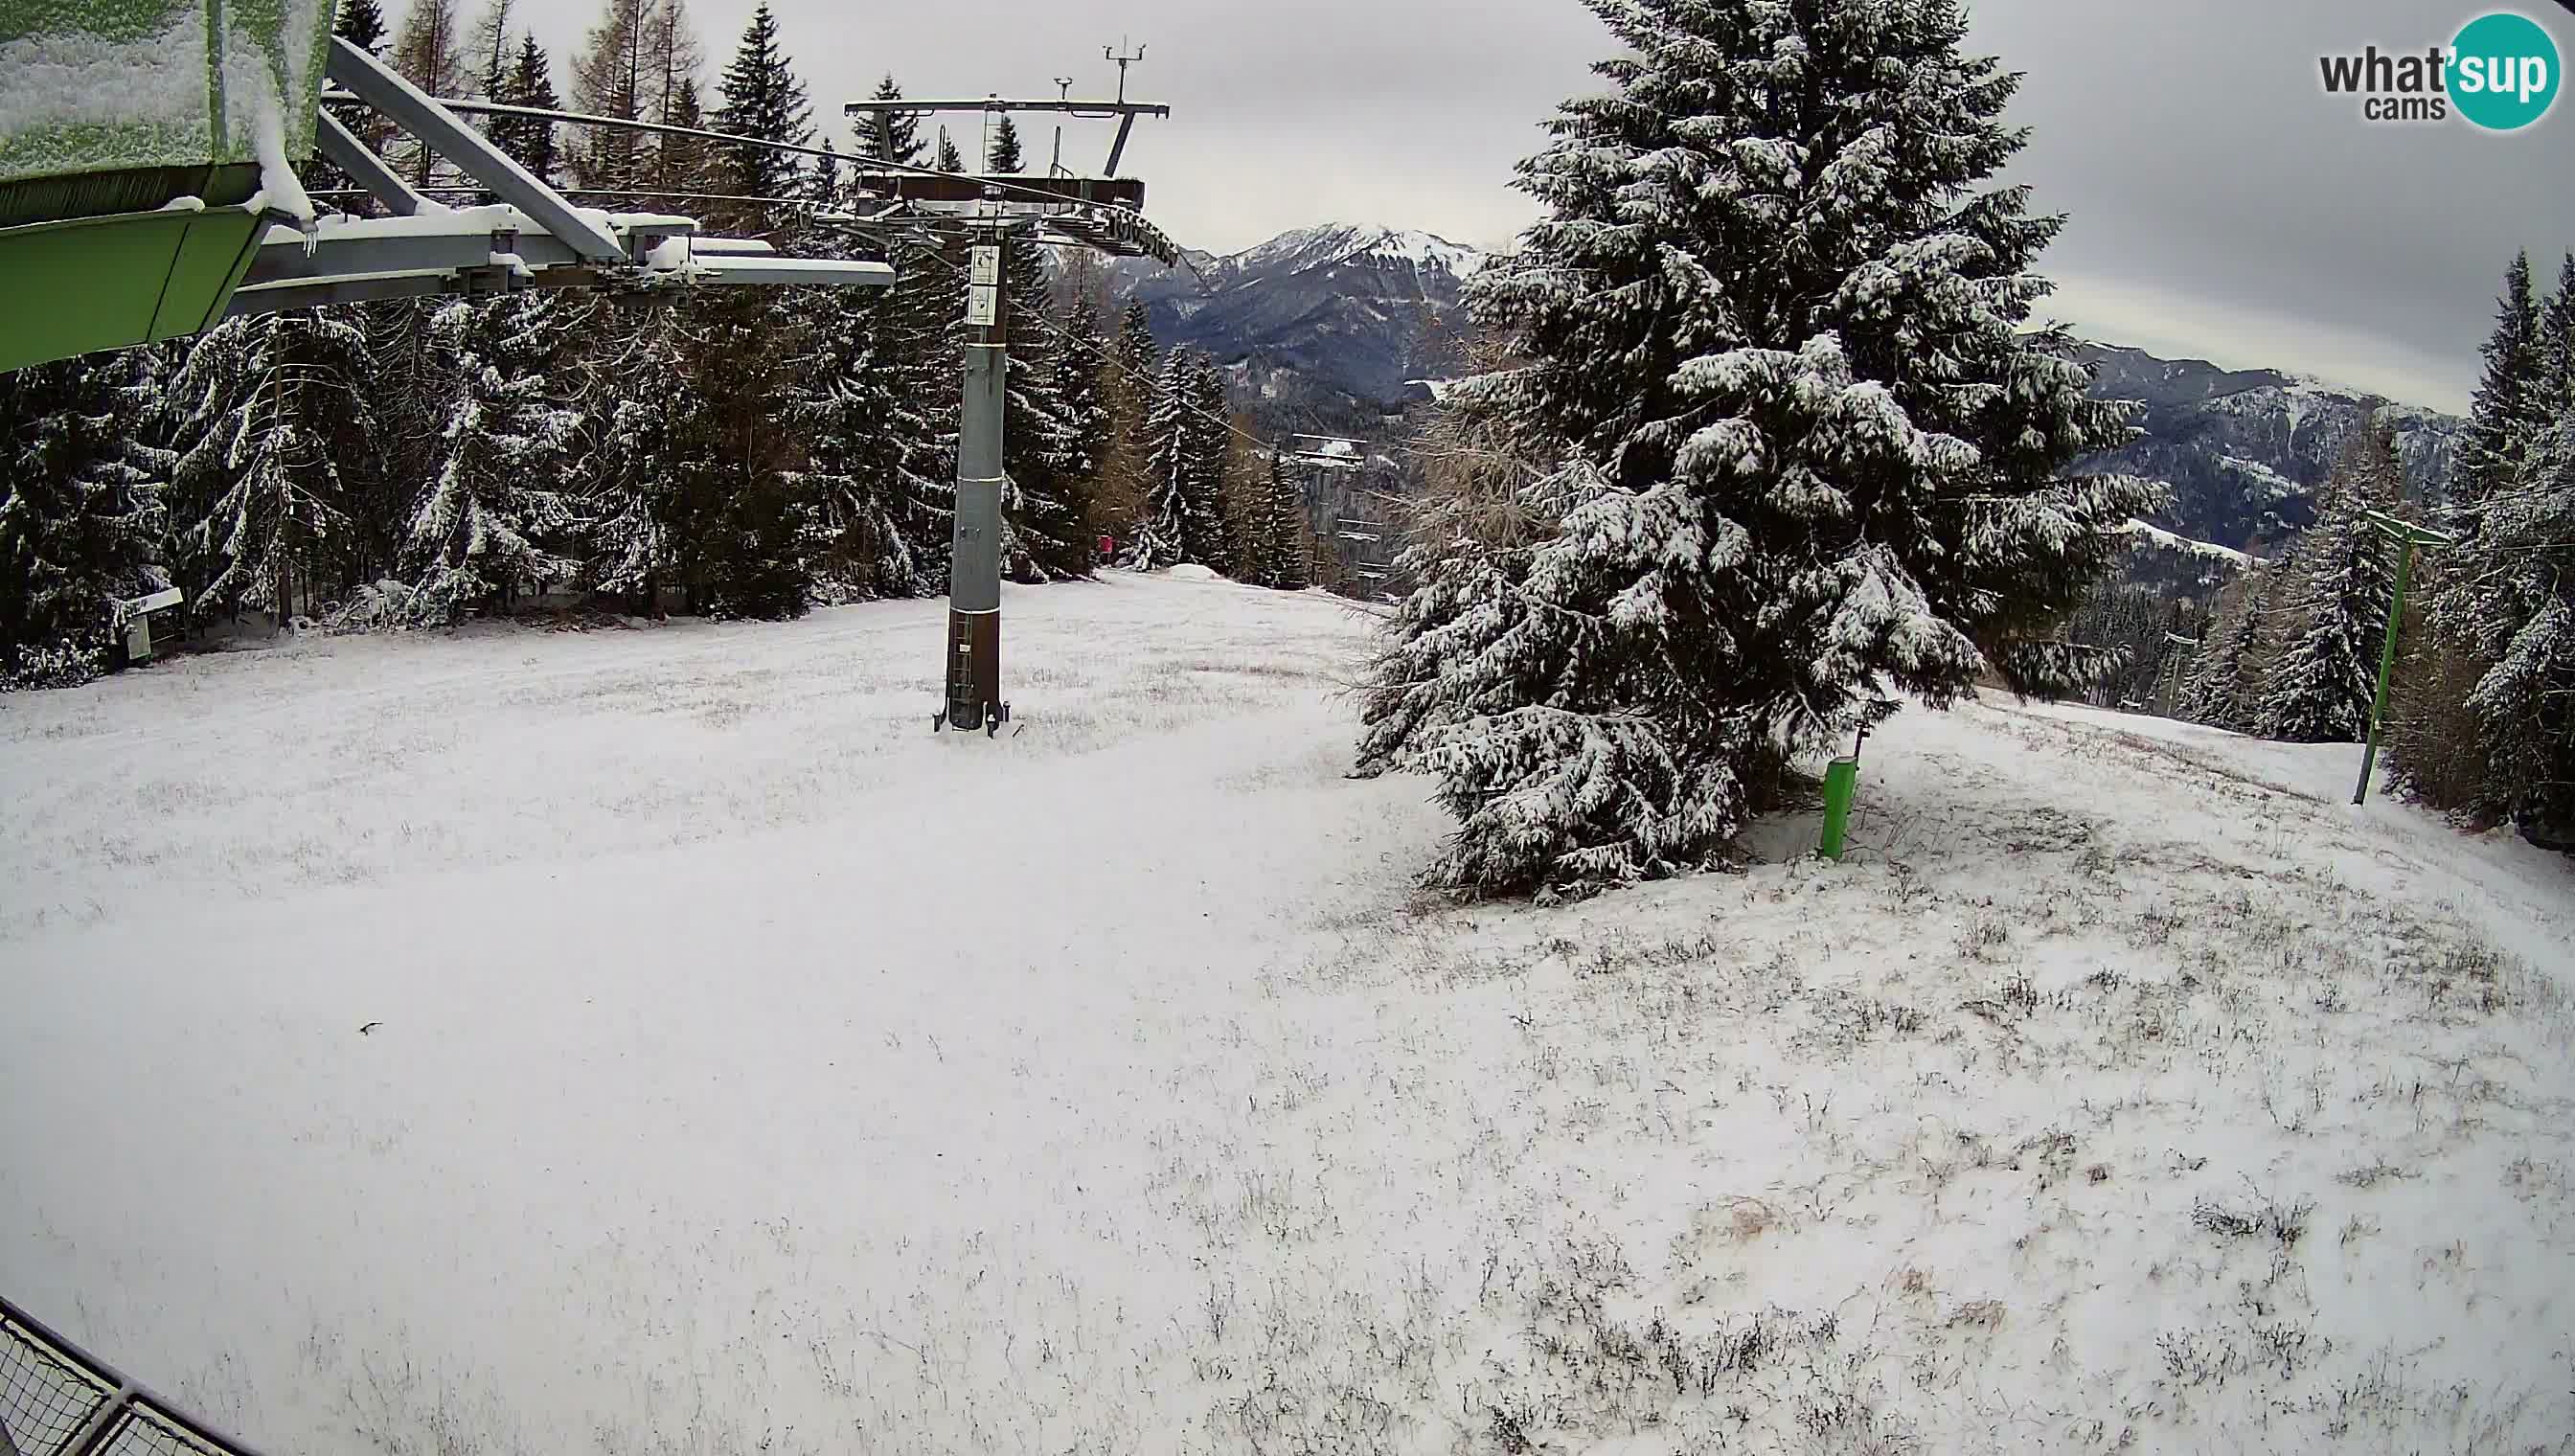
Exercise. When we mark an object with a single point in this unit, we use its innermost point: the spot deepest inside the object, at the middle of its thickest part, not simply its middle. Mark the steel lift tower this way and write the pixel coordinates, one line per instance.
(1102, 213)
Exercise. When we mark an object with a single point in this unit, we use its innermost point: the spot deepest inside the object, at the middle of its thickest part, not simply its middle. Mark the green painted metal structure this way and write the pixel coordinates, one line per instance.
(135, 139)
(1841, 785)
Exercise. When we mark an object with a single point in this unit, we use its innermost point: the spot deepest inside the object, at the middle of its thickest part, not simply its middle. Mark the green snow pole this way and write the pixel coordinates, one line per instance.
(1841, 781)
(2407, 537)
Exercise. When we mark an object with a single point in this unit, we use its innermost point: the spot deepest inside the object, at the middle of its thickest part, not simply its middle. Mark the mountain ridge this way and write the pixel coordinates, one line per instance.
(1345, 327)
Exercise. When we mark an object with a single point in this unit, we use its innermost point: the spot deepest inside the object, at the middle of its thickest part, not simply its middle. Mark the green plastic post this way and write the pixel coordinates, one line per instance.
(1841, 781)
(2386, 667)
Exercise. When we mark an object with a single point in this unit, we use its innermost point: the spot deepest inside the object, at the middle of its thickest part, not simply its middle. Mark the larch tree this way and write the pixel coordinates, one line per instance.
(429, 53)
(1779, 321)
(609, 79)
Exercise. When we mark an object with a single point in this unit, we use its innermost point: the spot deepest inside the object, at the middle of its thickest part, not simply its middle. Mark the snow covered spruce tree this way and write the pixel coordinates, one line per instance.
(493, 517)
(1286, 559)
(1047, 516)
(2318, 689)
(2223, 688)
(82, 521)
(1210, 519)
(1777, 323)
(863, 445)
(2513, 591)
(1162, 528)
(278, 428)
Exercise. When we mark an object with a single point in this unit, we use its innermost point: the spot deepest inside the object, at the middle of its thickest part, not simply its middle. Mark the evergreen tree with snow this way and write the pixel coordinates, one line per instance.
(2222, 689)
(82, 517)
(1047, 509)
(763, 99)
(904, 126)
(1163, 528)
(634, 542)
(2319, 687)
(685, 166)
(1081, 360)
(493, 518)
(1779, 321)
(1005, 157)
(276, 423)
(1293, 534)
(529, 140)
(2505, 414)
(949, 160)
(1209, 537)
(865, 436)
(2512, 591)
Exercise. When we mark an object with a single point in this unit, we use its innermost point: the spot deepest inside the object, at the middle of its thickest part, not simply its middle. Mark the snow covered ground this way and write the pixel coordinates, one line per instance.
(750, 1072)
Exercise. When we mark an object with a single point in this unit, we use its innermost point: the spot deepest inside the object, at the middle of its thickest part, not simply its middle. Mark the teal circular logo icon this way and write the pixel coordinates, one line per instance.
(2504, 72)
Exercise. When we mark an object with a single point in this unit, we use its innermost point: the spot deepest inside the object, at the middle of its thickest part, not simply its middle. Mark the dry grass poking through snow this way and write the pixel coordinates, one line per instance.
(2081, 1123)
(2125, 1093)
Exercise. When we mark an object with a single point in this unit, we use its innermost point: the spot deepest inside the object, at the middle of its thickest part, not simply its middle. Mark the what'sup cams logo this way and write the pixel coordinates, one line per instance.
(2501, 72)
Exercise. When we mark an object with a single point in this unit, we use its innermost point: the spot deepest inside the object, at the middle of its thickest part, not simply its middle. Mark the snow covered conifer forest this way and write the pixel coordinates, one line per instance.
(419, 462)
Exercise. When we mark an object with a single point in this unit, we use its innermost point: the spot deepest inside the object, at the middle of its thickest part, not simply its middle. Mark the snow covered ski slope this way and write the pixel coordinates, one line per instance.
(749, 1070)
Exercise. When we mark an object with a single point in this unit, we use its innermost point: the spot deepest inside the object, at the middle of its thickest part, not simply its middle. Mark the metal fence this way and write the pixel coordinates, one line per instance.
(58, 1400)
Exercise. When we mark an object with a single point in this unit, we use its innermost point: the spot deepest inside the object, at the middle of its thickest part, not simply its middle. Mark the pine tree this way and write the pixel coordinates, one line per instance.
(763, 99)
(2225, 674)
(2504, 414)
(634, 544)
(1005, 157)
(864, 428)
(683, 166)
(905, 127)
(2320, 689)
(492, 518)
(1048, 510)
(949, 160)
(1778, 321)
(362, 24)
(275, 417)
(529, 140)
(2514, 592)
(1080, 362)
(1163, 529)
(1209, 536)
(1288, 541)
(82, 517)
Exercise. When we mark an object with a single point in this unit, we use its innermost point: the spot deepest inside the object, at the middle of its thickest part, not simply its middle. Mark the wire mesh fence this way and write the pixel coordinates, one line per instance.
(58, 1400)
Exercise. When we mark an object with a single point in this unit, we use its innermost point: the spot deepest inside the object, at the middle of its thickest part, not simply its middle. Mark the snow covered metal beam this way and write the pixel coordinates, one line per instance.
(439, 129)
(350, 155)
(726, 269)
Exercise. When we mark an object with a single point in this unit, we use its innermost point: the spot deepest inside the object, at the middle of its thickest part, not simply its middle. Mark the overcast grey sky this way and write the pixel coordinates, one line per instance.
(2221, 205)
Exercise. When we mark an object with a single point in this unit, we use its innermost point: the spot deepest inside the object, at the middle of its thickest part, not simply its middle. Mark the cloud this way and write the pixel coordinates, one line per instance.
(2217, 198)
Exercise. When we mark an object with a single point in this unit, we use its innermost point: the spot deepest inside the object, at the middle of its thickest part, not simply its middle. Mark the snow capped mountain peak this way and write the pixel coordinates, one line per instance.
(1327, 244)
